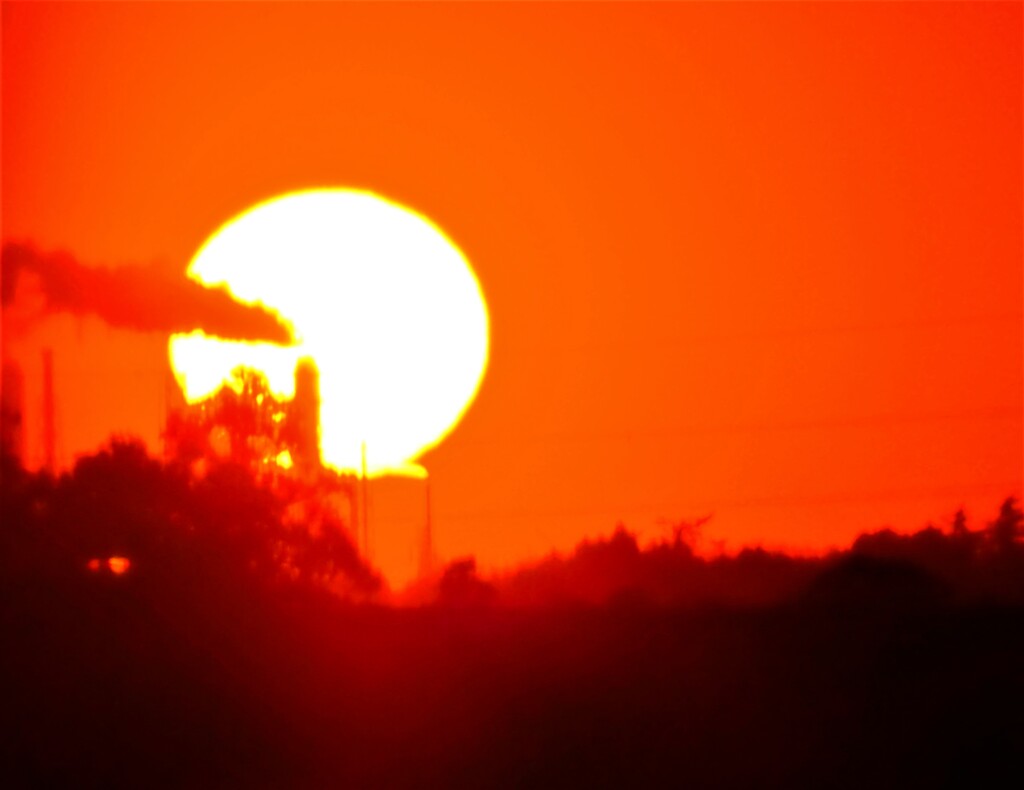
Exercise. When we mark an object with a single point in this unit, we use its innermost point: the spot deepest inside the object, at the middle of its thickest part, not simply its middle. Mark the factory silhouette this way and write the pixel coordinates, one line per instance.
(276, 440)
(42, 377)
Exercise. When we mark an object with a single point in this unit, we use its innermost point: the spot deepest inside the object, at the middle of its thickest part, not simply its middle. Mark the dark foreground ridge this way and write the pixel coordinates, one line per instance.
(111, 692)
(225, 656)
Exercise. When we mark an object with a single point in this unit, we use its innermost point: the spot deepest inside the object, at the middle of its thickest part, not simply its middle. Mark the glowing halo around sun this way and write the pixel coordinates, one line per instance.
(379, 297)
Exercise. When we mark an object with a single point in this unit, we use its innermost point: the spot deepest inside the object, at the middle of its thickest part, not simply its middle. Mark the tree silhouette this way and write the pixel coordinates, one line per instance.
(1006, 531)
(460, 585)
(959, 525)
(243, 421)
(225, 526)
(244, 426)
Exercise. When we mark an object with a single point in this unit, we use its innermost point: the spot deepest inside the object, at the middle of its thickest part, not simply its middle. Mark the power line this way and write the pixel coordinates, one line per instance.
(951, 492)
(995, 414)
(662, 339)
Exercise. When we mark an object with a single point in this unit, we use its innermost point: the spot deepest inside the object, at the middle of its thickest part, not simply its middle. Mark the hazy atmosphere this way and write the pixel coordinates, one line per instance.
(512, 394)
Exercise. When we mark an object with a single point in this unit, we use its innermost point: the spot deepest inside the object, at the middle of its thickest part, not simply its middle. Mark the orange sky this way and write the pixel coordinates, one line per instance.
(761, 260)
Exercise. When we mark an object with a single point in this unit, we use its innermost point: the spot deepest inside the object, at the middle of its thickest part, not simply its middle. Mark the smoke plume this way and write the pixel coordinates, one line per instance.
(143, 298)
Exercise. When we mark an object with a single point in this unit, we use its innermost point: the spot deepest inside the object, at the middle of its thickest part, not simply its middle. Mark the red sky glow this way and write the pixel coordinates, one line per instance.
(760, 260)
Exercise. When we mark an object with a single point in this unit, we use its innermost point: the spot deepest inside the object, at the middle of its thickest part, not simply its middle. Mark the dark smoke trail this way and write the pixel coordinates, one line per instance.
(143, 298)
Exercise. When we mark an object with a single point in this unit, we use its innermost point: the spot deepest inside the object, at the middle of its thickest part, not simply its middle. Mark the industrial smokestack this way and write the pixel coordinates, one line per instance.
(305, 416)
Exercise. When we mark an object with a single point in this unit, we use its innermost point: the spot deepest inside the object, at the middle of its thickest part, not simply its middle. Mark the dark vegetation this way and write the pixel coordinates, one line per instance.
(247, 645)
(928, 568)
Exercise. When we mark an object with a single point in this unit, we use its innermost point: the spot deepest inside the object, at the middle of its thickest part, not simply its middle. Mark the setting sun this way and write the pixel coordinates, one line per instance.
(376, 295)
(433, 394)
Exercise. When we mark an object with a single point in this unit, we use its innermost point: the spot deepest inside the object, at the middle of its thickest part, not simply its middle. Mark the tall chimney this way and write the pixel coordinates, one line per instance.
(306, 416)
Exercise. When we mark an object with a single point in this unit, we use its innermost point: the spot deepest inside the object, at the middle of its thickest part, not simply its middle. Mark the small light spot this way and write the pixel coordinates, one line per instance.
(284, 459)
(93, 564)
(118, 565)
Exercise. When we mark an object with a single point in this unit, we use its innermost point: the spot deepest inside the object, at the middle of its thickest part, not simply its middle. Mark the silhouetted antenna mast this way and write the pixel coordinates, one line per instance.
(49, 414)
(164, 407)
(365, 505)
(427, 549)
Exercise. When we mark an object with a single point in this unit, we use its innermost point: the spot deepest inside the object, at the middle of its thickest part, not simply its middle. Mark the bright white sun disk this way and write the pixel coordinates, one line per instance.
(379, 297)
